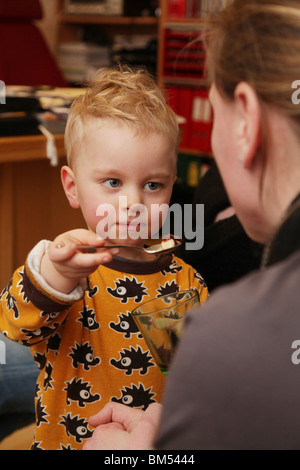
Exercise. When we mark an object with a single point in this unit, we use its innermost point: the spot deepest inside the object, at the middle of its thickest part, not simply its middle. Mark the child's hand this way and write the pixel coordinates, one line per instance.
(63, 266)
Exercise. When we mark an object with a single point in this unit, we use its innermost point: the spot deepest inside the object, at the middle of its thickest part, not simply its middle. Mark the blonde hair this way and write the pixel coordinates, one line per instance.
(257, 41)
(123, 95)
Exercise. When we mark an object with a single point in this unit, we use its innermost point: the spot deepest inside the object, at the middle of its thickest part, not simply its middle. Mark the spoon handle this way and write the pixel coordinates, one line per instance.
(94, 249)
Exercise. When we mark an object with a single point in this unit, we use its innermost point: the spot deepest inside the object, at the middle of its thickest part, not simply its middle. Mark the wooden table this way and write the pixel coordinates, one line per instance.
(33, 205)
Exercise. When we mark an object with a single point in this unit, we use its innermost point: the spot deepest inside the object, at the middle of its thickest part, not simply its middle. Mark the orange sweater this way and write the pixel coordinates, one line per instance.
(86, 345)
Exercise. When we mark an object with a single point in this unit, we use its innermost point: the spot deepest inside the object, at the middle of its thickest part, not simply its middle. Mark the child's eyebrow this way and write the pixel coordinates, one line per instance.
(116, 173)
(106, 172)
(158, 175)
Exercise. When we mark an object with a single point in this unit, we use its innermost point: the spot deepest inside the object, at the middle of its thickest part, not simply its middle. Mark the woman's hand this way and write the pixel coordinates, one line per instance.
(63, 266)
(119, 427)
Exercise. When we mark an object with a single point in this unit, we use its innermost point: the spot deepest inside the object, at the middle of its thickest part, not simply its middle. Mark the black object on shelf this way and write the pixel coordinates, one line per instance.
(17, 117)
(140, 8)
(17, 126)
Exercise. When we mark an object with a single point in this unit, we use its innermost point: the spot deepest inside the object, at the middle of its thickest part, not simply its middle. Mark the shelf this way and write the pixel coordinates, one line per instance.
(180, 81)
(195, 153)
(109, 20)
(188, 23)
(21, 148)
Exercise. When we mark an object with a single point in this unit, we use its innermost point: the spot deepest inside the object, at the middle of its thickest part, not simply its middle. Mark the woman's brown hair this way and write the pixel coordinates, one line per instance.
(257, 41)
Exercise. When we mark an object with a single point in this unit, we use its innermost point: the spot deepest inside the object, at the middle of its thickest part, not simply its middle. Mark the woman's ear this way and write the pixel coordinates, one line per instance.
(69, 185)
(248, 124)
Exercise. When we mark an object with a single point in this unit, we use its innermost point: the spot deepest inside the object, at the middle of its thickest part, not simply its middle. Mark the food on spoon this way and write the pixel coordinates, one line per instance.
(167, 244)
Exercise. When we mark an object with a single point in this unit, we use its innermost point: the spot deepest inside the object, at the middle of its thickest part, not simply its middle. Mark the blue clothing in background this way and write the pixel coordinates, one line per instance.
(17, 383)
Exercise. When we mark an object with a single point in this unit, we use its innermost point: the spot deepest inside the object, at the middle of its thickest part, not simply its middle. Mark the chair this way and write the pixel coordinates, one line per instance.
(25, 58)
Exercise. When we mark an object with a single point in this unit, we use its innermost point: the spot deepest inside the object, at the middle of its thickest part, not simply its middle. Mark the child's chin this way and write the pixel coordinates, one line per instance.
(125, 240)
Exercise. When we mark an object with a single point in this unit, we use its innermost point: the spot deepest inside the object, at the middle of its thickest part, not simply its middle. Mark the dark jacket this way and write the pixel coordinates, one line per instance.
(228, 253)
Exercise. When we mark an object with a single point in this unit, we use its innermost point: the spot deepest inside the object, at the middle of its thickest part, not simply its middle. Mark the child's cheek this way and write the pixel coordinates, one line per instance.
(157, 217)
(105, 221)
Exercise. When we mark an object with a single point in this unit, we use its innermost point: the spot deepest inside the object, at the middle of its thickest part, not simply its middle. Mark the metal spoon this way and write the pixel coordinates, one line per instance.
(166, 246)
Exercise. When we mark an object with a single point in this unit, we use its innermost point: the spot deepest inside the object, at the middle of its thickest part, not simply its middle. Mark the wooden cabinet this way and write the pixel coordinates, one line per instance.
(33, 205)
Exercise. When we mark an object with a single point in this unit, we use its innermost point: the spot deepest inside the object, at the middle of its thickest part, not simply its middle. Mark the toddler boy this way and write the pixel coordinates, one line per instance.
(74, 309)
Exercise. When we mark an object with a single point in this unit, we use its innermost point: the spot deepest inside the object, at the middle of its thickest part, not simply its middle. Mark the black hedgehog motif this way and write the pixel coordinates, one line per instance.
(173, 268)
(11, 301)
(40, 360)
(37, 390)
(40, 413)
(126, 325)
(41, 333)
(53, 343)
(80, 392)
(68, 447)
(49, 316)
(128, 288)
(76, 427)
(22, 285)
(200, 279)
(48, 377)
(88, 319)
(168, 288)
(36, 446)
(135, 397)
(133, 359)
(83, 354)
(91, 290)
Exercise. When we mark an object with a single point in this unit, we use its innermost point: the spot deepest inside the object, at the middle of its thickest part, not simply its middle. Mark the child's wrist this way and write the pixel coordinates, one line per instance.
(54, 278)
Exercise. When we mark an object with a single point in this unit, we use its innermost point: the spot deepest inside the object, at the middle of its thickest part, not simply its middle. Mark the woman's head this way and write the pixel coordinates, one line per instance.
(253, 60)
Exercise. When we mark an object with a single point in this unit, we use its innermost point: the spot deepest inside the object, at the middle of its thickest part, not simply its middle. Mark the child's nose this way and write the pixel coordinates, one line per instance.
(134, 197)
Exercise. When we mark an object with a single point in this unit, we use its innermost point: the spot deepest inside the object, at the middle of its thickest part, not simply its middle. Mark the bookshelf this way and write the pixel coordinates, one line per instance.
(110, 20)
(130, 39)
(181, 72)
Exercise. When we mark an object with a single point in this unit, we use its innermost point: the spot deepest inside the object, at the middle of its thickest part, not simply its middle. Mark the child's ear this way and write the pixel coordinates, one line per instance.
(69, 185)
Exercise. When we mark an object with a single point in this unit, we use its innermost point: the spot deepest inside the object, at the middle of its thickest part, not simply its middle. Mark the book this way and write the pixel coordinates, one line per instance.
(184, 54)
(195, 114)
(201, 121)
(177, 8)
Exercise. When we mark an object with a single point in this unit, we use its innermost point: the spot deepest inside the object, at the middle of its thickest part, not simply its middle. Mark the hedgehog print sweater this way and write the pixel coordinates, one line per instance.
(86, 344)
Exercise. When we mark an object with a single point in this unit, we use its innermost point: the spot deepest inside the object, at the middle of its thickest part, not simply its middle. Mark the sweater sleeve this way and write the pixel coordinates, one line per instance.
(30, 310)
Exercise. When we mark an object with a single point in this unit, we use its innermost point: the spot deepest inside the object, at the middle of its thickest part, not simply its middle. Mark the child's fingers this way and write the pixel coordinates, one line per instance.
(85, 237)
(94, 259)
(61, 251)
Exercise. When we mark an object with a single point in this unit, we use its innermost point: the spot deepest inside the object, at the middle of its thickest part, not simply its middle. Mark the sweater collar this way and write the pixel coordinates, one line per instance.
(140, 267)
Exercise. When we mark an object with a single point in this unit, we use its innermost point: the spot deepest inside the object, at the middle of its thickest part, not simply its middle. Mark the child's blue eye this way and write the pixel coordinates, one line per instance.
(112, 183)
(152, 186)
